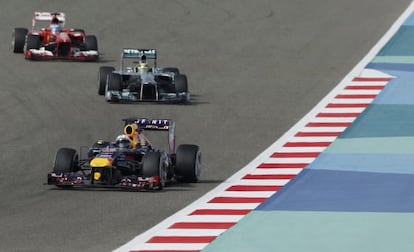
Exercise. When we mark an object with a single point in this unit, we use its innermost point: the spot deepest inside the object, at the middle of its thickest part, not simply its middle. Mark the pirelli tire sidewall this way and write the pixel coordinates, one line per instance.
(180, 83)
(91, 43)
(188, 163)
(103, 74)
(33, 42)
(19, 39)
(66, 160)
(152, 166)
(174, 70)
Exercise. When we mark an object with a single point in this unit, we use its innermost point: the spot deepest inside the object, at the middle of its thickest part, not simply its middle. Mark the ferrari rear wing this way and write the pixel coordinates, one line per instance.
(156, 125)
(48, 16)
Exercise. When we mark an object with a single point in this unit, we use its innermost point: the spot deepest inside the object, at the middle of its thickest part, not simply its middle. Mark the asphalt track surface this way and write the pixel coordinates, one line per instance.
(254, 69)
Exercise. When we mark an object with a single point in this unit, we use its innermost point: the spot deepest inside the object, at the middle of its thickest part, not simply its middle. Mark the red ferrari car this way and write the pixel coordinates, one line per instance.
(53, 41)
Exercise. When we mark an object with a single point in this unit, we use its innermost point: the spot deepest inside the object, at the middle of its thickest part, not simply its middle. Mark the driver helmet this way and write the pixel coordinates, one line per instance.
(123, 142)
(142, 65)
(55, 28)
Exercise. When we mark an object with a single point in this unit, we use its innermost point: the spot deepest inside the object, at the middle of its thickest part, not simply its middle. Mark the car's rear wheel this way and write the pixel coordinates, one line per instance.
(19, 39)
(153, 167)
(188, 163)
(171, 70)
(91, 43)
(79, 30)
(104, 71)
(66, 160)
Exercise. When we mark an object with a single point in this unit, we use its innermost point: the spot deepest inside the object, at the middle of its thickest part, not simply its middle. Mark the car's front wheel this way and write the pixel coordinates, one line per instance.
(114, 83)
(33, 42)
(180, 83)
(66, 160)
(152, 166)
(104, 71)
(91, 43)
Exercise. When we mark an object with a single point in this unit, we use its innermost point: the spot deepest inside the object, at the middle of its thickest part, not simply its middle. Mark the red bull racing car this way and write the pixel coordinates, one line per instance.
(48, 39)
(130, 162)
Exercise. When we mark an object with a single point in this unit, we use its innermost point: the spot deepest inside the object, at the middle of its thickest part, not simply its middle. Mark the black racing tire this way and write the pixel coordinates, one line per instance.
(91, 43)
(104, 71)
(33, 42)
(114, 82)
(19, 39)
(151, 166)
(66, 160)
(171, 70)
(180, 83)
(188, 163)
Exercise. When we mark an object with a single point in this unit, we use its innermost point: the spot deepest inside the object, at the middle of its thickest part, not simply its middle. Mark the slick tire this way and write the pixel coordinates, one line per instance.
(114, 82)
(171, 70)
(66, 160)
(188, 163)
(33, 42)
(91, 43)
(180, 83)
(19, 39)
(152, 166)
(104, 71)
(79, 30)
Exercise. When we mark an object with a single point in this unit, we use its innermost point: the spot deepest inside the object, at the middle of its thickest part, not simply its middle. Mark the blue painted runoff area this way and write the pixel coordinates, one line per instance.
(326, 190)
(399, 90)
(383, 121)
(391, 66)
(401, 43)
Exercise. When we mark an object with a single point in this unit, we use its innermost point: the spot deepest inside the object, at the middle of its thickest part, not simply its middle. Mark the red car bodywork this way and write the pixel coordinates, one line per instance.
(45, 43)
(67, 44)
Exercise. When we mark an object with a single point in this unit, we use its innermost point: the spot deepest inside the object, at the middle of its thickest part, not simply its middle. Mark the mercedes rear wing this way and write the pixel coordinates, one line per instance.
(135, 53)
(138, 53)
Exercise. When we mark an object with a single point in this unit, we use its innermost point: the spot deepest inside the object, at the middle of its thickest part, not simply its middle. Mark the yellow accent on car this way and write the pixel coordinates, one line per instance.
(96, 175)
(100, 162)
(131, 131)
